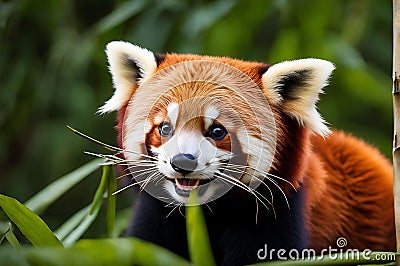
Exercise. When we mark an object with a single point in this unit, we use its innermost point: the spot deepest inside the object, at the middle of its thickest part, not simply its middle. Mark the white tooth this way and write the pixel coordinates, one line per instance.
(177, 184)
(187, 188)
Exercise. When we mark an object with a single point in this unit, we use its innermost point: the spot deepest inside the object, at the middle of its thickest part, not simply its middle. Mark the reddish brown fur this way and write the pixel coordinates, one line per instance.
(250, 68)
(350, 195)
(348, 183)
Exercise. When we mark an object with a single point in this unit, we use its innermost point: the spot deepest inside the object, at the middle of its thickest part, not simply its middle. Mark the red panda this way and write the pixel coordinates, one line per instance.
(249, 138)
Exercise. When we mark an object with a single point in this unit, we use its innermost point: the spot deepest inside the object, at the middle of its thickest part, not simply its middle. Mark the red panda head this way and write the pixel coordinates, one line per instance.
(209, 123)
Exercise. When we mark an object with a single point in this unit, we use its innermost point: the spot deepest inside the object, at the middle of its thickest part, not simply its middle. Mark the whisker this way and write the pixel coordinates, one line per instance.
(137, 162)
(137, 165)
(152, 158)
(124, 175)
(126, 187)
(104, 156)
(271, 203)
(239, 184)
(209, 208)
(176, 206)
(140, 154)
(107, 146)
(156, 174)
(148, 171)
(261, 172)
(142, 170)
(280, 189)
(114, 160)
(261, 181)
(163, 198)
(248, 190)
(158, 181)
(280, 178)
(180, 210)
(170, 203)
(264, 174)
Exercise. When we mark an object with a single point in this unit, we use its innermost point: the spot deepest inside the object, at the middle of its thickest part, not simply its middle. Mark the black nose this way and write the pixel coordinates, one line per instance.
(184, 163)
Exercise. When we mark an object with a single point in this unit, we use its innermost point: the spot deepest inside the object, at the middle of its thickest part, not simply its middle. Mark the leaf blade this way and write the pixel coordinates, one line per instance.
(111, 202)
(116, 251)
(94, 210)
(68, 226)
(29, 223)
(198, 242)
(11, 238)
(52, 192)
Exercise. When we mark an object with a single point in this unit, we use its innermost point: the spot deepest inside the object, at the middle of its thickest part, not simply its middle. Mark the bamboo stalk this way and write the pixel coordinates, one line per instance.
(396, 115)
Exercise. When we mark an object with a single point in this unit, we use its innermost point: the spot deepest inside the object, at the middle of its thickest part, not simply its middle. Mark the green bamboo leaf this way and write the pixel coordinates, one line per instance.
(82, 227)
(52, 192)
(95, 207)
(122, 221)
(68, 226)
(198, 241)
(98, 196)
(12, 239)
(116, 251)
(130, 251)
(12, 257)
(30, 224)
(111, 202)
(7, 233)
(4, 227)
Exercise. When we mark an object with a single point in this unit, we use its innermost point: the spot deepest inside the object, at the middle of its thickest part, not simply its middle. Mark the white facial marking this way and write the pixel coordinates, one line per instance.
(188, 143)
(173, 112)
(210, 115)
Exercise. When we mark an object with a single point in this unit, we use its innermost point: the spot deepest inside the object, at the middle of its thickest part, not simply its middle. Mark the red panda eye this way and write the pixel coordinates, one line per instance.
(216, 132)
(165, 129)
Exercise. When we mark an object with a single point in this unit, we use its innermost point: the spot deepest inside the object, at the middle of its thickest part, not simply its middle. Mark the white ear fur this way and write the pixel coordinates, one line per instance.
(296, 85)
(130, 66)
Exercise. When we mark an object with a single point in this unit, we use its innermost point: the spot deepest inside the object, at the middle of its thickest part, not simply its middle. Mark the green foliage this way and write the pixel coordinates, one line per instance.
(116, 251)
(110, 251)
(94, 209)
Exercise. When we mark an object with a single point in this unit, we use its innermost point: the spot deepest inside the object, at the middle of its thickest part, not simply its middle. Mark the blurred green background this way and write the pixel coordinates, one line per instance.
(53, 70)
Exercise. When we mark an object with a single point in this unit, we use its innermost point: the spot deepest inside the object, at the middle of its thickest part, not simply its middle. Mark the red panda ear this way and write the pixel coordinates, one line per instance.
(295, 86)
(130, 66)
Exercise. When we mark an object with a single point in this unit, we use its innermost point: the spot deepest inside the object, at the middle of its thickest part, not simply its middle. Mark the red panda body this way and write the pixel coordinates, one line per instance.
(353, 199)
(195, 118)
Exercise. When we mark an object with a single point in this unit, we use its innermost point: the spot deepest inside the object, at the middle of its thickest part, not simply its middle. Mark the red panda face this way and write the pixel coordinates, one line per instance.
(194, 127)
(205, 123)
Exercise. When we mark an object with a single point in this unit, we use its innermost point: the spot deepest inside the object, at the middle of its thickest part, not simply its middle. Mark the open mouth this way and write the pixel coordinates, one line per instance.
(183, 186)
(187, 184)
